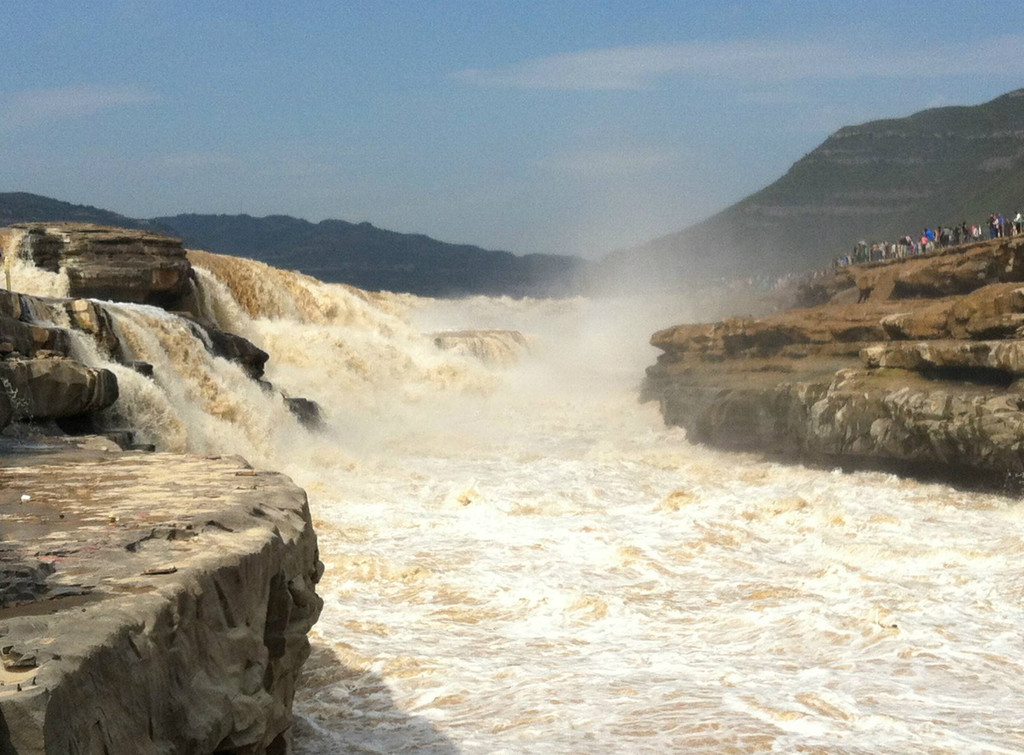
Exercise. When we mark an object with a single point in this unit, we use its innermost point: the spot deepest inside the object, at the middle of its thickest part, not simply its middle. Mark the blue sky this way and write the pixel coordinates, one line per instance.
(558, 127)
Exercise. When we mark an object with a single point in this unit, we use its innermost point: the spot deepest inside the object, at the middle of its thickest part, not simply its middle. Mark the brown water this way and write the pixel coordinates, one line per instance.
(524, 559)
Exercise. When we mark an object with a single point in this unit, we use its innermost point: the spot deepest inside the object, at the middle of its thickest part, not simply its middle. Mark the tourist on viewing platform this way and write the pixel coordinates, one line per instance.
(942, 237)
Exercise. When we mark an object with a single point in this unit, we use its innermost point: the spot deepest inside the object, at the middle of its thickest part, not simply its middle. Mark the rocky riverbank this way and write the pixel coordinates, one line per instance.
(149, 602)
(154, 602)
(924, 376)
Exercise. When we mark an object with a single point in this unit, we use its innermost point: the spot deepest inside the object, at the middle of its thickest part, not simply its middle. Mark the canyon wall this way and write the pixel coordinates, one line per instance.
(923, 376)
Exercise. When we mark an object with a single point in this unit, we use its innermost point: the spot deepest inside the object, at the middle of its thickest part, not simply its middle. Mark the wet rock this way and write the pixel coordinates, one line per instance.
(231, 347)
(90, 317)
(28, 339)
(305, 410)
(143, 368)
(6, 410)
(55, 388)
(104, 262)
(496, 347)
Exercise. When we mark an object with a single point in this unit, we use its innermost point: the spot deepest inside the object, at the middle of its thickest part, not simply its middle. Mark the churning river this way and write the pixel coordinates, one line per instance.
(521, 558)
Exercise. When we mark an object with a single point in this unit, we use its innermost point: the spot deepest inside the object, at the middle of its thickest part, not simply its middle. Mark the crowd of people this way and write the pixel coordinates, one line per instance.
(930, 240)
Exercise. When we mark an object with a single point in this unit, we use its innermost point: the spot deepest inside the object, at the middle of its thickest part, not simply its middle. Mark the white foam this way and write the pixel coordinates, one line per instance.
(525, 560)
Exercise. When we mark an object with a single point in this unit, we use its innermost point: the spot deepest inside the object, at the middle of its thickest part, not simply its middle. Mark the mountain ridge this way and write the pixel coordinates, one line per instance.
(876, 180)
(336, 251)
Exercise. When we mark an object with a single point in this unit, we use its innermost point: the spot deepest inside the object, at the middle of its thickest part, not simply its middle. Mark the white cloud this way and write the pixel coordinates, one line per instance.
(38, 105)
(641, 67)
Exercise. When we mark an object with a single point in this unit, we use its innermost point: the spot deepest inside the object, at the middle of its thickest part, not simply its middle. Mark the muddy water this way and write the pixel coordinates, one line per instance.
(523, 559)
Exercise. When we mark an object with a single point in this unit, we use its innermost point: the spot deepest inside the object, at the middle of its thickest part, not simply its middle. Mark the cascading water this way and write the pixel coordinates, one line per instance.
(523, 559)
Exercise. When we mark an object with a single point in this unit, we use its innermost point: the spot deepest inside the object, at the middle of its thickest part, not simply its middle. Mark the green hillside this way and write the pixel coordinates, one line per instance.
(875, 181)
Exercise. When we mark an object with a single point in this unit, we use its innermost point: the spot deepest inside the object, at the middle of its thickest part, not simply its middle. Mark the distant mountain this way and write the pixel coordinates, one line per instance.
(876, 182)
(377, 259)
(21, 207)
(336, 251)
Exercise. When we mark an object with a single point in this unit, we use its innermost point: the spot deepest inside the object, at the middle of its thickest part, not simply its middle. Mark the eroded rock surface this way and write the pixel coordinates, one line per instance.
(925, 375)
(54, 388)
(131, 623)
(103, 262)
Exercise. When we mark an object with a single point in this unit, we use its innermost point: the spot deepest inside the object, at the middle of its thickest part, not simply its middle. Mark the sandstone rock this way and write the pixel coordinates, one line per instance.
(53, 388)
(10, 304)
(931, 385)
(29, 339)
(984, 358)
(496, 347)
(173, 619)
(90, 317)
(953, 272)
(103, 262)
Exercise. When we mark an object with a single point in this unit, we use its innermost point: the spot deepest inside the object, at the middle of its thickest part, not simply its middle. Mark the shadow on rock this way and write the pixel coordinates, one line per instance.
(342, 709)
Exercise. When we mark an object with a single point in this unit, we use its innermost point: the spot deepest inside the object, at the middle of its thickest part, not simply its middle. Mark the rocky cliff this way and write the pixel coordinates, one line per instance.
(924, 376)
(149, 603)
(152, 603)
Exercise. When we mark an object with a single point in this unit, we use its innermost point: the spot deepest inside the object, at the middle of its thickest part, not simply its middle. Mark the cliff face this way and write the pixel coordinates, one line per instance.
(105, 262)
(135, 623)
(924, 384)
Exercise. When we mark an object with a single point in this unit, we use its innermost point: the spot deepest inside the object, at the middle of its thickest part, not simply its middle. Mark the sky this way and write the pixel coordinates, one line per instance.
(551, 127)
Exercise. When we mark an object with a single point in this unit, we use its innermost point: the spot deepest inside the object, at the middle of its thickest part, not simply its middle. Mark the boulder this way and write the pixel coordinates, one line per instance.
(55, 387)
(305, 410)
(232, 347)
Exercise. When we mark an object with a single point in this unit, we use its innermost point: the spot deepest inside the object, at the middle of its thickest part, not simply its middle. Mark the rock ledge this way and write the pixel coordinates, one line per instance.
(131, 622)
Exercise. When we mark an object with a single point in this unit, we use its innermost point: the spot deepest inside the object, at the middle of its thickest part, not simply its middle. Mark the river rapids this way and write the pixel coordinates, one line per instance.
(521, 558)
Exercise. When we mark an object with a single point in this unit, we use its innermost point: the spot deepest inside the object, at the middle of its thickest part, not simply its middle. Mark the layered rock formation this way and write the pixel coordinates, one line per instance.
(130, 623)
(497, 347)
(38, 373)
(39, 378)
(901, 380)
(148, 603)
(103, 262)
